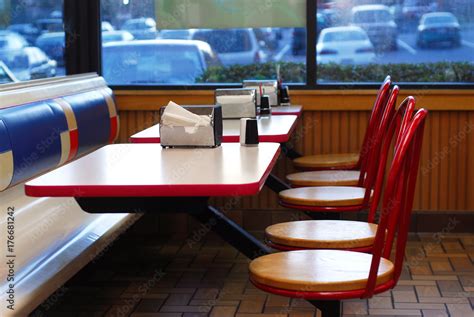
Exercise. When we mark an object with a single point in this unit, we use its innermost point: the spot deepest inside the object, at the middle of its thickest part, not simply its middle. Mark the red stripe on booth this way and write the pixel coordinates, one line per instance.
(74, 135)
(113, 129)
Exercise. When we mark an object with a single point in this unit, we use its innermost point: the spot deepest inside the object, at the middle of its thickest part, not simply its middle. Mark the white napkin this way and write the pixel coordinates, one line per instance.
(175, 115)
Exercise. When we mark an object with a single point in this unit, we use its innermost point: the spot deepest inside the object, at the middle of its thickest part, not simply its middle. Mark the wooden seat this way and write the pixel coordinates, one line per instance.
(327, 161)
(326, 196)
(322, 234)
(318, 270)
(324, 178)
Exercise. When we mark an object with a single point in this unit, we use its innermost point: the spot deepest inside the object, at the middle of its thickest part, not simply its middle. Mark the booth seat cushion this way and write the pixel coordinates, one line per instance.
(35, 133)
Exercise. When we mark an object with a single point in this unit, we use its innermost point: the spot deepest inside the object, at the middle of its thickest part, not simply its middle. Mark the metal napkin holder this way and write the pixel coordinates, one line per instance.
(237, 103)
(203, 136)
(270, 87)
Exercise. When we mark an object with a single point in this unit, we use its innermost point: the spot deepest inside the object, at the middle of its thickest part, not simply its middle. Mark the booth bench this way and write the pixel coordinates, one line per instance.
(43, 125)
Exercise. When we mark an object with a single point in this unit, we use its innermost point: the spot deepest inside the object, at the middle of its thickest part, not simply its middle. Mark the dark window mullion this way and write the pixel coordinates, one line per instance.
(310, 43)
(83, 36)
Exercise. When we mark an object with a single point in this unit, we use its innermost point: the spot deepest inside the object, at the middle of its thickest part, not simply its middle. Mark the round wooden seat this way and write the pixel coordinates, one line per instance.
(325, 178)
(322, 234)
(317, 270)
(326, 196)
(327, 161)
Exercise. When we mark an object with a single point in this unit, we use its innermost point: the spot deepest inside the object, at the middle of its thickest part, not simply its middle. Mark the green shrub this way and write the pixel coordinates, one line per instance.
(291, 72)
(450, 72)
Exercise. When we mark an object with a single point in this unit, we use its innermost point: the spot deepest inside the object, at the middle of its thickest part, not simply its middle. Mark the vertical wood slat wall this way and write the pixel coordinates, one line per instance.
(446, 180)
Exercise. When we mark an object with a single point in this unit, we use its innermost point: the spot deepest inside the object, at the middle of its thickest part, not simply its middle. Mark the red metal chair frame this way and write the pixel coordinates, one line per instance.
(394, 218)
(372, 130)
(398, 125)
(368, 171)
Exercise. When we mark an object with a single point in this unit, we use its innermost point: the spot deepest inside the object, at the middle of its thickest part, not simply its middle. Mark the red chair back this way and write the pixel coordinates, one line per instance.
(377, 111)
(399, 120)
(398, 199)
(369, 168)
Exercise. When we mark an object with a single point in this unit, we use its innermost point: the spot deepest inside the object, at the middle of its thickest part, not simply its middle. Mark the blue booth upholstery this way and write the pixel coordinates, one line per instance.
(34, 132)
(39, 136)
(6, 157)
(93, 120)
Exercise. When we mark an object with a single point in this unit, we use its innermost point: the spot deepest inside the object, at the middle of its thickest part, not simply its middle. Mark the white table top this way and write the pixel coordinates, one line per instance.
(147, 170)
(276, 129)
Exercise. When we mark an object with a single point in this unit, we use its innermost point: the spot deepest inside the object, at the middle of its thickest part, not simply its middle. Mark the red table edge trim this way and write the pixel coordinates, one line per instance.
(140, 140)
(189, 190)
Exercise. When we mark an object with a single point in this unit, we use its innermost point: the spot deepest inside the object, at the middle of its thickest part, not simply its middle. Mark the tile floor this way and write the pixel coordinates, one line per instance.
(145, 276)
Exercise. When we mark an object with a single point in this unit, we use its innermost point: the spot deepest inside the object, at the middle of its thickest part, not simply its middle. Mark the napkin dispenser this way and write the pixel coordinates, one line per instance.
(237, 103)
(173, 136)
(270, 88)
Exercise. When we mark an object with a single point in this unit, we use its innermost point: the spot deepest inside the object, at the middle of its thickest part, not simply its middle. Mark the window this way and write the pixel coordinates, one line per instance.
(191, 42)
(32, 38)
(414, 40)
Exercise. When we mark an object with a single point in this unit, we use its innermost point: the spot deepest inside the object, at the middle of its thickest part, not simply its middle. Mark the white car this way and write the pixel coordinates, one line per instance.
(344, 45)
(116, 36)
(155, 62)
(234, 46)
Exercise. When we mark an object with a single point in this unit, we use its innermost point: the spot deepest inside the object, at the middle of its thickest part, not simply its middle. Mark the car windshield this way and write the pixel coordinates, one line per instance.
(3, 43)
(160, 64)
(440, 19)
(226, 41)
(4, 77)
(174, 34)
(51, 40)
(344, 36)
(372, 16)
(111, 37)
(134, 25)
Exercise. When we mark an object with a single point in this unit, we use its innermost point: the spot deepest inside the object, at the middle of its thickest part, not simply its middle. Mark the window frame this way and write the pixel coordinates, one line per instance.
(84, 54)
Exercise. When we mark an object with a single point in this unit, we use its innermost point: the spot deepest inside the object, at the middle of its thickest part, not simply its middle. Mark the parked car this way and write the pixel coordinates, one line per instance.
(11, 48)
(234, 46)
(414, 9)
(379, 24)
(142, 28)
(344, 45)
(53, 44)
(6, 76)
(438, 28)
(50, 25)
(29, 32)
(34, 65)
(149, 62)
(267, 37)
(298, 42)
(114, 36)
(107, 27)
(178, 34)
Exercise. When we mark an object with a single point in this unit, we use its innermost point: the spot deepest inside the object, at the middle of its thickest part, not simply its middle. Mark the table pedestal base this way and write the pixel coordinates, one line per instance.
(198, 207)
(328, 308)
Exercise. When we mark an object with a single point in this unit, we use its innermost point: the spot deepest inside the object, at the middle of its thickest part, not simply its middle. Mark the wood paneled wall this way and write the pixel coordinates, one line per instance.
(446, 180)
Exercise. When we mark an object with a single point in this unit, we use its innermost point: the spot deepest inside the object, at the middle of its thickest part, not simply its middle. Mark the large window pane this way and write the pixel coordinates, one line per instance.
(414, 40)
(196, 42)
(31, 39)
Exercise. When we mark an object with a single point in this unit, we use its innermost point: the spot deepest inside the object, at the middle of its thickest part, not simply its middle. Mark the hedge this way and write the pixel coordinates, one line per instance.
(451, 72)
